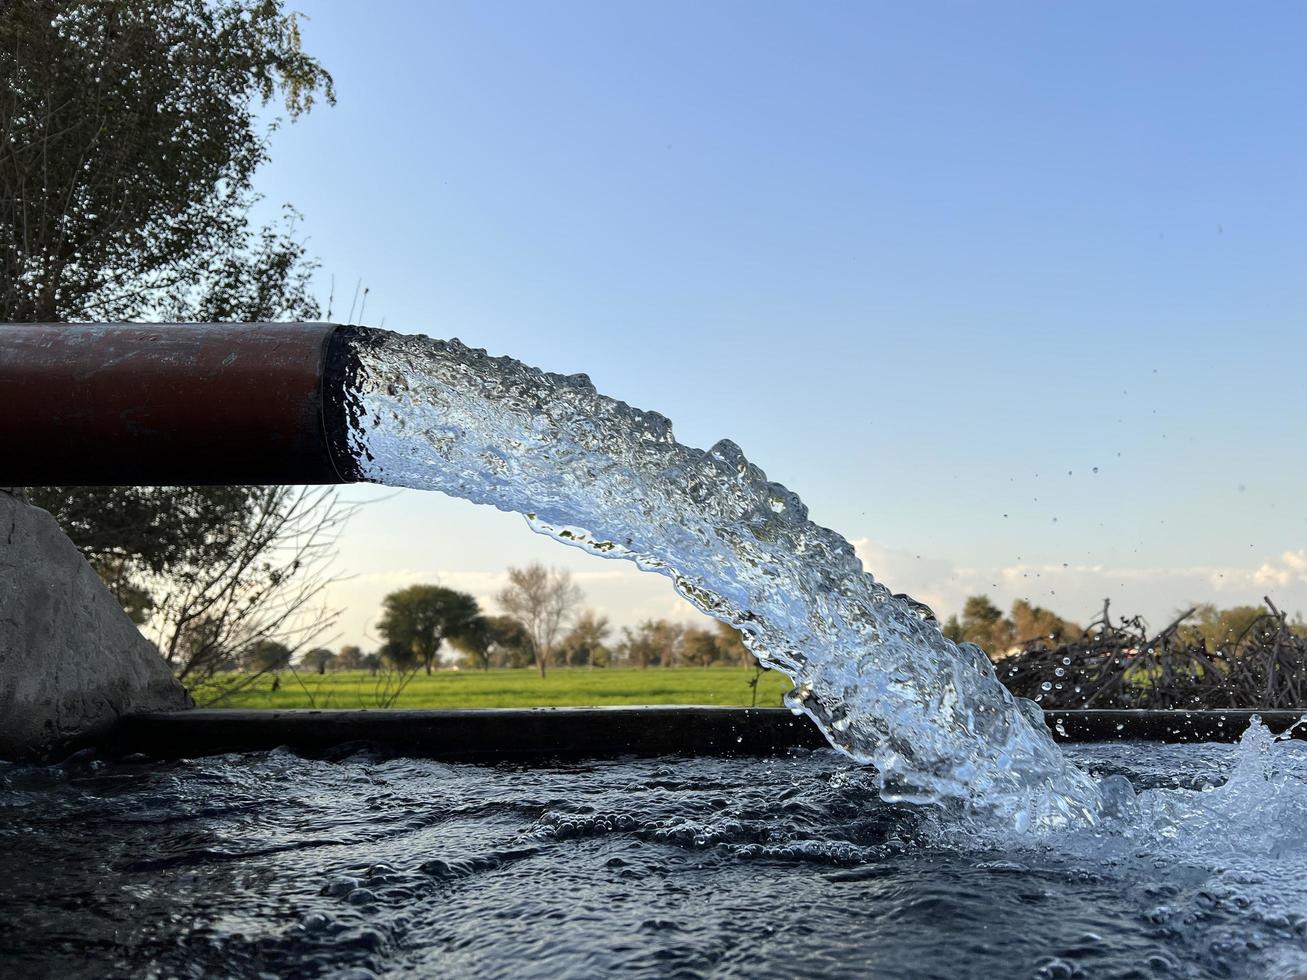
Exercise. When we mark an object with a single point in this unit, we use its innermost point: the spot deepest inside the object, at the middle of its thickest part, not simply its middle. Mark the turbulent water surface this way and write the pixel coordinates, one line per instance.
(872, 669)
(275, 865)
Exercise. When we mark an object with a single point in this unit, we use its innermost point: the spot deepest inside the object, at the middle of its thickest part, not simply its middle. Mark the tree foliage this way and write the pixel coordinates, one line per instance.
(1219, 628)
(131, 139)
(699, 648)
(417, 620)
(264, 656)
(660, 643)
(584, 646)
(652, 643)
(495, 641)
(131, 142)
(731, 648)
(348, 657)
(132, 535)
(984, 624)
(318, 660)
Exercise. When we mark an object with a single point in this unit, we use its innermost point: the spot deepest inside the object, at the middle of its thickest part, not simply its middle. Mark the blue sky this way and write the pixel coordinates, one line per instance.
(929, 264)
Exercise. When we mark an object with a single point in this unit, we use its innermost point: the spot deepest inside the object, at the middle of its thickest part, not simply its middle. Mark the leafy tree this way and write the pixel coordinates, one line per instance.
(1220, 629)
(394, 655)
(348, 658)
(700, 647)
(132, 535)
(415, 622)
(952, 629)
(495, 641)
(474, 641)
(543, 601)
(1035, 623)
(638, 646)
(583, 646)
(511, 644)
(265, 656)
(371, 662)
(653, 642)
(731, 648)
(131, 140)
(983, 624)
(318, 660)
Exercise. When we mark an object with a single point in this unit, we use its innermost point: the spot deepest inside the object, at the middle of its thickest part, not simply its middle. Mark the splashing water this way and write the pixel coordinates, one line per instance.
(870, 668)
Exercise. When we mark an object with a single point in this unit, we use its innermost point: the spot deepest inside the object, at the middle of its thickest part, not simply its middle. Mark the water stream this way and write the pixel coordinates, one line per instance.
(872, 669)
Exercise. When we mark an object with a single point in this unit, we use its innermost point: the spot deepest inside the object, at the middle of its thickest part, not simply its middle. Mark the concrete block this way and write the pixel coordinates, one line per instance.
(71, 661)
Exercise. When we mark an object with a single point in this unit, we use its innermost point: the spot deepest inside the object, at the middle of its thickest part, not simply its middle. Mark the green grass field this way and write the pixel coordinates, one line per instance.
(508, 689)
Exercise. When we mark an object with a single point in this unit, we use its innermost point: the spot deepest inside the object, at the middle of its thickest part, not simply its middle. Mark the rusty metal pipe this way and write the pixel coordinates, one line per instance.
(173, 404)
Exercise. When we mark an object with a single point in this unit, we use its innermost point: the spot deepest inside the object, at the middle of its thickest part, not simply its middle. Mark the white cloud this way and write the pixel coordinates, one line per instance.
(1291, 569)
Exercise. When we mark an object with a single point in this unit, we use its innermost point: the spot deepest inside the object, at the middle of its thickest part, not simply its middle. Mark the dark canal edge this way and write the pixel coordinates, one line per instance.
(543, 734)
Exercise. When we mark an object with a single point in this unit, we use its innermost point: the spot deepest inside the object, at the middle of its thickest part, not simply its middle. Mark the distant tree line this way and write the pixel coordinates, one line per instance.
(1206, 657)
(983, 623)
(543, 624)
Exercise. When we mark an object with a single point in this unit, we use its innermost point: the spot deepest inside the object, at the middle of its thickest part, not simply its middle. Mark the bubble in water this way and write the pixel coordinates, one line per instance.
(1118, 795)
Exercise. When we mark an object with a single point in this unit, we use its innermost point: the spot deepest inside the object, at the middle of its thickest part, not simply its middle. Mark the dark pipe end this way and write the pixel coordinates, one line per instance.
(174, 404)
(340, 407)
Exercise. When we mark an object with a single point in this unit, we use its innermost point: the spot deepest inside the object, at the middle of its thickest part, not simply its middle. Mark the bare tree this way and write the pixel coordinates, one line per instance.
(268, 585)
(544, 601)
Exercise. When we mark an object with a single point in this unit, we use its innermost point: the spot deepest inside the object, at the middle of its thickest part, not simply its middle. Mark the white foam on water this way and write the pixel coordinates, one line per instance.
(1241, 840)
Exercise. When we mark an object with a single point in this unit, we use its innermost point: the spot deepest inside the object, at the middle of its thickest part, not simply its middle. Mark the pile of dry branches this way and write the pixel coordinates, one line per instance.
(1119, 665)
